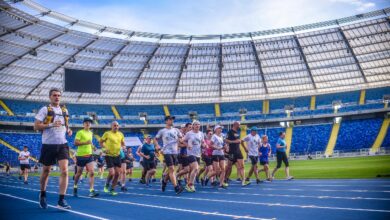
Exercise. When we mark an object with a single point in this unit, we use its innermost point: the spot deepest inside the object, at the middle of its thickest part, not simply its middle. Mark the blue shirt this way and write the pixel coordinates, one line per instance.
(264, 150)
(122, 154)
(282, 143)
(148, 149)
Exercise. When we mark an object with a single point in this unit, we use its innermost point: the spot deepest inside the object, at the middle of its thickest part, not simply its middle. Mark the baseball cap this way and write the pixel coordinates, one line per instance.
(169, 117)
(87, 119)
(218, 126)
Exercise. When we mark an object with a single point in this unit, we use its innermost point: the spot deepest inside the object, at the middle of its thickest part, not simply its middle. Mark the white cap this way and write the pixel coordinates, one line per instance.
(217, 126)
(196, 122)
(182, 125)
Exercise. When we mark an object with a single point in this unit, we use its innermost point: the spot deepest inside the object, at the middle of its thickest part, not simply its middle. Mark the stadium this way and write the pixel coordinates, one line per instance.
(324, 86)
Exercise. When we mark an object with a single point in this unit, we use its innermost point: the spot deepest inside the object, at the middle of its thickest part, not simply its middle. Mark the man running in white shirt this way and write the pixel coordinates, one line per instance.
(24, 160)
(253, 144)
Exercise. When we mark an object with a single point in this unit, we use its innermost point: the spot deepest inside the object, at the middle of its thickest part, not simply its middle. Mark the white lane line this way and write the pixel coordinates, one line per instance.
(249, 203)
(305, 190)
(273, 195)
(153, 206)
(55, 207)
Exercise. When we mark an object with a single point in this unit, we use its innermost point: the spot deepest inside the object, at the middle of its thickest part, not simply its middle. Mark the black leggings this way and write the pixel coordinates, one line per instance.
(281, 156)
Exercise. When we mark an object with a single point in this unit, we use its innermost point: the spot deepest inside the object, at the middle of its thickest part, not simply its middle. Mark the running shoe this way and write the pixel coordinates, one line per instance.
(163, 186)
(290, 178)
(246, 183)
(123, 189)
(188, 188)
(93, 193)
(106, 189)
(42, 202)
(178, 189)
(63, 204)
(113, 193)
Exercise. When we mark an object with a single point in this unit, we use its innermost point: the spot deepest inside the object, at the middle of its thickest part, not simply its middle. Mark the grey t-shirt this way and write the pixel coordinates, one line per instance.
(170, 138)
(218, 142)
(194, 143)
(53, 135)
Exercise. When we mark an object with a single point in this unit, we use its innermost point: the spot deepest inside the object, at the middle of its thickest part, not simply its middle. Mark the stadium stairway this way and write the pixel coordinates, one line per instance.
(332, 139)
(5, 107)
(16, 150)
(166, 110)
(115, 111)
(362, 98)
(243, 134)
(266, 107)
(217, 109)
(313, 103)
(289, 131)
(381, 136)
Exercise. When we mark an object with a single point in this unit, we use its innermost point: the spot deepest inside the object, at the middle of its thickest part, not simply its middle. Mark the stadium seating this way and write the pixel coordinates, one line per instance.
(230, 110)
(353, 135)
(357, 134)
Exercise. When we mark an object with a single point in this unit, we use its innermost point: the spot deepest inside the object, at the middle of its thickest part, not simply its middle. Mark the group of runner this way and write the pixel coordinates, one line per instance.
(182, 151)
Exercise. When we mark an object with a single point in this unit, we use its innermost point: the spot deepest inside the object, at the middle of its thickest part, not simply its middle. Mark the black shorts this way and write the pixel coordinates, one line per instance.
(192, 159)
(100, 165)
(129, 165)
(51, 153)
(150, 165)
(233, 157)
(170, 159)
(254, 159)
(281, 156)
(83, 161)
(207, 160)
(24, 166)
(217, 158)
(113, 161)
(183, 160)
(264, 162)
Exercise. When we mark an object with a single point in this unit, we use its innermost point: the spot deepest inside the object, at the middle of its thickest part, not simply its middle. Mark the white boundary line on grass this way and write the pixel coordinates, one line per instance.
(55, 207)
(154, 206)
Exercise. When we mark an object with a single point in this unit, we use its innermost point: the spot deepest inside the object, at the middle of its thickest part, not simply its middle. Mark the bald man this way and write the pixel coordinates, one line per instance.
(111, 143)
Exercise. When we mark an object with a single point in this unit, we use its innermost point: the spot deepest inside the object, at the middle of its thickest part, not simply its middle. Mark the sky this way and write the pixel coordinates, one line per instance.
(209, 16)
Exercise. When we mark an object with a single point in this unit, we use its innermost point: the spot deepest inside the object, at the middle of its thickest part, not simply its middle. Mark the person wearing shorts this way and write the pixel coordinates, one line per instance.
(207, 153)
(111, 143)
(182, 158)
(84, 157)
(195, 141)
(235, 155)
(253, 144)
(100, 164)
(24, 161)
(148, 153)
(218, 146)
(170, 137)
(52, 121)
(129, 165)
(281, 156)
(264, 154)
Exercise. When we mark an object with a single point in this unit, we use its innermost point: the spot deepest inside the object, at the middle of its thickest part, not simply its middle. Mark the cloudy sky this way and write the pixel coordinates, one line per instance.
(209, 16)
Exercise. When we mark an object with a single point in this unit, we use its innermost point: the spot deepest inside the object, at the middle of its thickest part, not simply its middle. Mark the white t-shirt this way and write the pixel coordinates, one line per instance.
(53, 135)
(195, 141)
(253, 142)
(24, 154)
(218, 142)
(170, 138)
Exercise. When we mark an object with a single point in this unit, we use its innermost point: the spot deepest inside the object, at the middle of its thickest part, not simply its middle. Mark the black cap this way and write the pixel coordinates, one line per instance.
(88, 119)
(169, 117)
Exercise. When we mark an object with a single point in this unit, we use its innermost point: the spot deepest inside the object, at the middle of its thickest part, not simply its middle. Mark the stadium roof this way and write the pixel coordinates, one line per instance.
(339, 55)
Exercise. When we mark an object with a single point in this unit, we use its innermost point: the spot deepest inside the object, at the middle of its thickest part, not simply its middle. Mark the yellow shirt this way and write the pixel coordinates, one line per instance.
(84, 136)
(112, 142)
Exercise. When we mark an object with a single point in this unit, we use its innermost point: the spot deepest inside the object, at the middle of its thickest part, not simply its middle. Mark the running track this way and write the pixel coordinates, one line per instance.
(297, 199)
